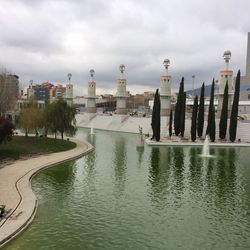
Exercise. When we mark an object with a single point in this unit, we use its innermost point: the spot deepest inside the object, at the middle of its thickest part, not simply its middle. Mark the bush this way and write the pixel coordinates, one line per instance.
(6, 130)
(2, 210)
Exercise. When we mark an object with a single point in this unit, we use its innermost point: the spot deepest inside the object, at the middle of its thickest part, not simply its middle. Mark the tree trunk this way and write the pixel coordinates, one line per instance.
(200, 124)
(234, 113)
(210, 111)
(194, 119)
(170, 123)
(224, 113)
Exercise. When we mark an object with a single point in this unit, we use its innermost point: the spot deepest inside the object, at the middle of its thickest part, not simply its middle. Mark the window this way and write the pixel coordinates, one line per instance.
(248, 96)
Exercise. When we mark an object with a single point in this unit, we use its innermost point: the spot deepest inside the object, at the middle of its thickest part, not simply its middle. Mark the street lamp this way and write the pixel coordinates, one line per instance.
(193, 76)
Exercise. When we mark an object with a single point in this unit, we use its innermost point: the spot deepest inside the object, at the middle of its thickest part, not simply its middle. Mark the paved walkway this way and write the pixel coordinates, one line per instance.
(16, 193)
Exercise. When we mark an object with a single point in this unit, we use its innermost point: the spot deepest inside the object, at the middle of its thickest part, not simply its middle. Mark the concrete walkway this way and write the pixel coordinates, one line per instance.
(16, 192)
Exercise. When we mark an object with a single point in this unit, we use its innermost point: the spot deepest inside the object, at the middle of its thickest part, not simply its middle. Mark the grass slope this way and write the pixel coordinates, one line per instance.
(23, 146)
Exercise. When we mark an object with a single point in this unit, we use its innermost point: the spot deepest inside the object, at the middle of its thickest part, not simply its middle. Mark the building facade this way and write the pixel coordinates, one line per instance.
(245, 80)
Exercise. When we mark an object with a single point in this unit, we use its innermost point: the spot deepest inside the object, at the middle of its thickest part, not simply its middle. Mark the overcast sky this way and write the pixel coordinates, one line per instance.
(44, 40)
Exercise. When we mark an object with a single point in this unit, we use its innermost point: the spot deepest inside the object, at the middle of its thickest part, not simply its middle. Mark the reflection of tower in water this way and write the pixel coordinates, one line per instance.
(140, 151)
(120, 163)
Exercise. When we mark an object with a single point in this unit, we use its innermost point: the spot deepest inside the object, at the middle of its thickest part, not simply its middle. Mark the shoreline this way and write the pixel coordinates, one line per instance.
(16, 192)
(199, 144)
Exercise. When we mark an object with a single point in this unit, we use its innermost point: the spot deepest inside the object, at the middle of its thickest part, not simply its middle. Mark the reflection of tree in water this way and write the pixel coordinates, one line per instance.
(221, 179)
(159, 172)
(178, 169)
(154, 169)
(226, 175)
(63, 174)
(59, 179)
(195, 168)
(120, 163)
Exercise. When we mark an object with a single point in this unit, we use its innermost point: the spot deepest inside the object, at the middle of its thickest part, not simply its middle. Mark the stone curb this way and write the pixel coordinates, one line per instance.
(211, 144)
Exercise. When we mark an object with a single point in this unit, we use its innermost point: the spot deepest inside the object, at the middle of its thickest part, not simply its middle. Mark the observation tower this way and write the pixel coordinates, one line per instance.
(91, 97)
(121, 94)
(165, 90)
(69, 91)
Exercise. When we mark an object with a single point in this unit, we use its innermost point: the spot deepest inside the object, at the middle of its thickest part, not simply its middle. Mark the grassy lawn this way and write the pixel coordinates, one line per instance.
(23, 146)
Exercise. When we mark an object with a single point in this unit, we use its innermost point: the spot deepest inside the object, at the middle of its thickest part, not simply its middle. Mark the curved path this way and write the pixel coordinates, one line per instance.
(16, 192)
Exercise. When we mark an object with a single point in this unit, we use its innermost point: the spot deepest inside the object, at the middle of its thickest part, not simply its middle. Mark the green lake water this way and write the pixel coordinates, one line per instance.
(117, 197)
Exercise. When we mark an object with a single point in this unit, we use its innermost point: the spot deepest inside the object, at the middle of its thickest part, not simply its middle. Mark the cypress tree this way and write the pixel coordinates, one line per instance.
(211, 107)
(234, 113)
(201, 112)
(170, 123)
(182, 115)
(224, 114)
(178, 107)
(156, 118)
(194, 119)
(212, 126)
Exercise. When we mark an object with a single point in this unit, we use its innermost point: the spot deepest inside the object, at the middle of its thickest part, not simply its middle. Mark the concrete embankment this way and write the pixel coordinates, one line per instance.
(131, 124)
(16, 192)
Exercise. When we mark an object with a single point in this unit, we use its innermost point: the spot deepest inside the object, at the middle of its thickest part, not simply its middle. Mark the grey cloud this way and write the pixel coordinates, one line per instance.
(44, 40)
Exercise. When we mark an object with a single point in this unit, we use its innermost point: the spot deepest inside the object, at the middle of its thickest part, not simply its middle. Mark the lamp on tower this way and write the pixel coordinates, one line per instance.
(166, 64)
(69, 76)
(227, 56)
(92, 72)
(122, 69)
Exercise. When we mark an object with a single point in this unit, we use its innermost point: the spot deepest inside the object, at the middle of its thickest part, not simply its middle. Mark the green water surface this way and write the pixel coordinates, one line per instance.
(118, 197)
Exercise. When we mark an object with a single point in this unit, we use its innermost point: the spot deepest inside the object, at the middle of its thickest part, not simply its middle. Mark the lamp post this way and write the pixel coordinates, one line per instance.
(193, 77)
(69, 77)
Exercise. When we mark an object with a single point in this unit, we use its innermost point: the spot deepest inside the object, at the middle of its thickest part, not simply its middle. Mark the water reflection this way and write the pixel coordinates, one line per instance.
(140, 151)
(178, 169)
(226, 178)
(176, 200)
(119, 154)
(91, 138)
(160, 161)
(61, 178)
(183, 172)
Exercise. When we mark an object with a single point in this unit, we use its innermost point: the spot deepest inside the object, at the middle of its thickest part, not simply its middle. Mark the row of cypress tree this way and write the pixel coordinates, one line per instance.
(211, 125)
(180, 108)
(197, 120)
(156, 117)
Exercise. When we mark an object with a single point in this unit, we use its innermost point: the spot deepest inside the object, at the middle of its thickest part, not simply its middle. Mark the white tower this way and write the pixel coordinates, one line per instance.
(30, 90)
(226, 76)
(91, 103)
(69, 91)
(165, 90)
(121, 94)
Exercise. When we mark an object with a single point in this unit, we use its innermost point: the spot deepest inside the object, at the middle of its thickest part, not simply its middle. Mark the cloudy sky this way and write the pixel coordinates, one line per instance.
(44, 40)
